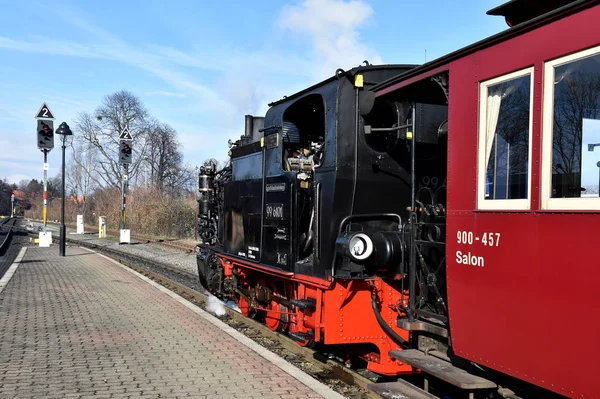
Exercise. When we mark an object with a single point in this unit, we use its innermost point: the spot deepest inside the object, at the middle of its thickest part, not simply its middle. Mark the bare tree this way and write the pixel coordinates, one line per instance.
(81, 179)
(98, 134)
(5, 193)
(164, 158)
(577, 97)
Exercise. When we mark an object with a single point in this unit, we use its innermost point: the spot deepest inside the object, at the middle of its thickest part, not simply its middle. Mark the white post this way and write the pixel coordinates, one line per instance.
(102, 227)
(80, 225)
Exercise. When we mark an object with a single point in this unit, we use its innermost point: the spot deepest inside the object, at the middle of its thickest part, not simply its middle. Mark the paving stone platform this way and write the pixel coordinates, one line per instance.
(82, 326)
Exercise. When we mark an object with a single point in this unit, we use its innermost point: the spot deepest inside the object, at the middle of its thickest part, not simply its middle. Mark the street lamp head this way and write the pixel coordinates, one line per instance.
(12, 196)
(64, 129)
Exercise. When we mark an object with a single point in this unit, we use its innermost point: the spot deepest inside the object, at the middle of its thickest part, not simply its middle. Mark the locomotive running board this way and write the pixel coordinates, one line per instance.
(422, 326)
(442, 369)
(400, 389)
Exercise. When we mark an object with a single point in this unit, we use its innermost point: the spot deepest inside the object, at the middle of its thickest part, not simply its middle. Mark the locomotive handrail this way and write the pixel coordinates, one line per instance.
(271, 127)
(370, 216)
(388, 129)
(262, 200)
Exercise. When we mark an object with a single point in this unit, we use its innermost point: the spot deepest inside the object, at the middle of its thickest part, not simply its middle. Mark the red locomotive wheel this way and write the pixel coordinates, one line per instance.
(276, 317)
(307, 342)
(244, 306)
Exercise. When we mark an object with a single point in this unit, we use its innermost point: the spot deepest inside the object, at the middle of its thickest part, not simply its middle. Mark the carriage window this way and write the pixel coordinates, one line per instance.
(505, 142)
(572, 132)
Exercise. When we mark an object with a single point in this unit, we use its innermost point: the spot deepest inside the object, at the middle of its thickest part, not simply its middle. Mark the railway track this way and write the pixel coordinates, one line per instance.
(323, 366)
(6, 229)
(166, 242)
(12, 237)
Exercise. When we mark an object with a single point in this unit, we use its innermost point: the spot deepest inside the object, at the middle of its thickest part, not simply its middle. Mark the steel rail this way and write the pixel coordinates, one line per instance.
(6, 240)
(167, 242)
(5, 220)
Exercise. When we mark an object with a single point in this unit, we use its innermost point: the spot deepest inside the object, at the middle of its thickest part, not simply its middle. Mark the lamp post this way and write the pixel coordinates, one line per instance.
(64, 131)
(12, 205)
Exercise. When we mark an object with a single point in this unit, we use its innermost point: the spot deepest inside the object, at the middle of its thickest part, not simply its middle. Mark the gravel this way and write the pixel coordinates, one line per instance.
(153, 251)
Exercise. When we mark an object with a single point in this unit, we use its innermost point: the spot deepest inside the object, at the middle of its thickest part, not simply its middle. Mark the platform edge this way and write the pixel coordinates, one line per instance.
(12, 269)
(290, 369)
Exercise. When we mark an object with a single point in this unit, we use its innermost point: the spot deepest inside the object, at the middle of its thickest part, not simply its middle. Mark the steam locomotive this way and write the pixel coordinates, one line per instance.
(425, 218)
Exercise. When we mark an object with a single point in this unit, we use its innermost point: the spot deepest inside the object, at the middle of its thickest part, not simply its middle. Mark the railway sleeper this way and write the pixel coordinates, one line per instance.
(400, 389)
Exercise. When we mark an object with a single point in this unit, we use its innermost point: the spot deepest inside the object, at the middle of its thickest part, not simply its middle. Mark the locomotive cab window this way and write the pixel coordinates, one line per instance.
(303, 133)
(571, 136)
(384, 115)
(504, 178)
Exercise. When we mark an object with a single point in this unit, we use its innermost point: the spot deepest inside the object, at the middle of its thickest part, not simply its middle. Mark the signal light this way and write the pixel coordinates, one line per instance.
(125, 152)
(45, 135)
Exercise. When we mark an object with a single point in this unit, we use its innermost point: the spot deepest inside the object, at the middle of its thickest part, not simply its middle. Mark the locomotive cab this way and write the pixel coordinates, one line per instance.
(411, 125)
(294, 183)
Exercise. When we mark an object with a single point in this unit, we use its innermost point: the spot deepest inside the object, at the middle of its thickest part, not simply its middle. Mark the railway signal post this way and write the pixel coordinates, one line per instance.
(125, 152)
(45, 142)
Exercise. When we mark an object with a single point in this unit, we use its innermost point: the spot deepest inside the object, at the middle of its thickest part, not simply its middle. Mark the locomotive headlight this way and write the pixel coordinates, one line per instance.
(360, 246)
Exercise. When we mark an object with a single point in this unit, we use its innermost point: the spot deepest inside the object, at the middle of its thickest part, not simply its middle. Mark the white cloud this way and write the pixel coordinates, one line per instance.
(20, 150)
(40, 44)
(16, 178)
(14, 172)
(236, 60)
(333, 27)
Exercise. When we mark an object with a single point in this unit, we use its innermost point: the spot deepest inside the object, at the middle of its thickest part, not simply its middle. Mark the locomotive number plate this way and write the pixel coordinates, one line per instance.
(272, 141)
(275, 211)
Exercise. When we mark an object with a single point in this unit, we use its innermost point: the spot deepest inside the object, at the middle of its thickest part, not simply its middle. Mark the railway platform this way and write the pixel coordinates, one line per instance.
(85, 326)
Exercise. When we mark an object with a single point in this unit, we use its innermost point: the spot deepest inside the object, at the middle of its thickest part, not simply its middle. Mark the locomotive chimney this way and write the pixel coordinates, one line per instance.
(249, 125)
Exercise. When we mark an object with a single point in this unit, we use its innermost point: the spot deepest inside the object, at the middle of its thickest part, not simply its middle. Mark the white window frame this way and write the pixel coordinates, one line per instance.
(547, 202)
(502, 204)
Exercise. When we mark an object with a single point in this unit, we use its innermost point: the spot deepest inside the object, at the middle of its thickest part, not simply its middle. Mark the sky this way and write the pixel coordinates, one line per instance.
(201, 65)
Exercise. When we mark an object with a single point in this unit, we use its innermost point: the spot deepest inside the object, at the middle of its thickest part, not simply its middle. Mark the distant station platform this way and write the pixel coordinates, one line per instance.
(85, 326)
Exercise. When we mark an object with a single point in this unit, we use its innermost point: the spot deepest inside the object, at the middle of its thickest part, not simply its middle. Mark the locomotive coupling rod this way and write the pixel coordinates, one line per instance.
(247, 294)
(246, 297)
